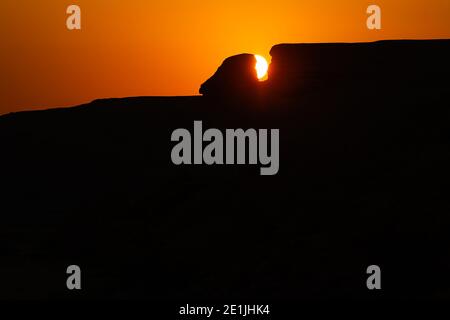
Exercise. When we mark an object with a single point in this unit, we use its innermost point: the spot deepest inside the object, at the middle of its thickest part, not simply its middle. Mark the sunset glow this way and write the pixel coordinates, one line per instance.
(261, 67)
(133, 48)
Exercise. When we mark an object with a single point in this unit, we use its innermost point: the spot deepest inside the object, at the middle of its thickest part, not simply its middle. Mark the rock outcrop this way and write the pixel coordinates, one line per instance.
(236, 77)
(393, 65)
(305, 68)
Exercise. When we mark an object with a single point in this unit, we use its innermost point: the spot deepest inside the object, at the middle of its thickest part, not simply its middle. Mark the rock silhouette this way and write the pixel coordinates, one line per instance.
(402, 65)
(236, 77)
(364, 171)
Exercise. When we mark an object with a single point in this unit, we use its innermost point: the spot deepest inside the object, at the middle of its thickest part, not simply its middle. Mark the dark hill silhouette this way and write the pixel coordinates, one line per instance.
(364, 171)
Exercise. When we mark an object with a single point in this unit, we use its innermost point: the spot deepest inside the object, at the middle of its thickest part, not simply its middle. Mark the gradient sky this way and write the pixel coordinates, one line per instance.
(144, 47)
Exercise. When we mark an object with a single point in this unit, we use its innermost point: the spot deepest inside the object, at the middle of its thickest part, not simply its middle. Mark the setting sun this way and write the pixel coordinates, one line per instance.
(261, 67)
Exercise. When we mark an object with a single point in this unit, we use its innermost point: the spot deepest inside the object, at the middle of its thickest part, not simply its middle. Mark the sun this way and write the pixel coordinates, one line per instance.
(261, 67)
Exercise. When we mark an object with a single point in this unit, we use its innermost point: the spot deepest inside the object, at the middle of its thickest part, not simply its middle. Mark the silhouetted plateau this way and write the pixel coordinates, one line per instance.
(363, 179)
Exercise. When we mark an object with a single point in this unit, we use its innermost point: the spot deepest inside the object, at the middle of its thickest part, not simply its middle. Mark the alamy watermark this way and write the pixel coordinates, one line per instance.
(73, 21)
(74, 279)
(374, 20)
(374, 280)
(237, 143)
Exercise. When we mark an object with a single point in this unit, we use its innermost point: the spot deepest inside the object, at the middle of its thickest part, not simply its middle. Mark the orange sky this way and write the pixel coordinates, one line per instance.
(145, 47)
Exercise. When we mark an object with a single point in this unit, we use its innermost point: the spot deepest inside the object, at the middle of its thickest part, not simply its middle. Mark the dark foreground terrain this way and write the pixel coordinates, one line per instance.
(364, 177)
